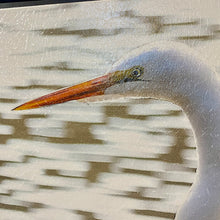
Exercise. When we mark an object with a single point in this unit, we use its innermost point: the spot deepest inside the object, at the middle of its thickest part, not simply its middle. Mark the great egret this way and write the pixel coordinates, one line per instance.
(173, 72)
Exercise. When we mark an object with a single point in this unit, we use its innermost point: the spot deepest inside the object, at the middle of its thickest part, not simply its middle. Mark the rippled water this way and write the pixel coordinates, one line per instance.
(122, 159)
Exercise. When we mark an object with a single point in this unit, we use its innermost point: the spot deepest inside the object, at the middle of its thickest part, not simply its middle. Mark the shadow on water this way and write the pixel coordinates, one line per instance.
(155, 213)
(59, 66)
(83, 33)
(87, 215)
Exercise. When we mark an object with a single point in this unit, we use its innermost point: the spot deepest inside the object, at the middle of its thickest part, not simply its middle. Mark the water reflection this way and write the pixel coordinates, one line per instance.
(126, 159)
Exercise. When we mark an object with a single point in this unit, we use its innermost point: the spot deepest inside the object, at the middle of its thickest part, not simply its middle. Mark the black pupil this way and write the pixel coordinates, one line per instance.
(136, 72)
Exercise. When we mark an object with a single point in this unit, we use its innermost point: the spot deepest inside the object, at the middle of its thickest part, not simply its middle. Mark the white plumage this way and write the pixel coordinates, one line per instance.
(173, 72)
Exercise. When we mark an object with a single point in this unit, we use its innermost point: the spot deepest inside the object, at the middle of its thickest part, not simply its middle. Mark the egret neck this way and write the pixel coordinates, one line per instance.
(174, 72)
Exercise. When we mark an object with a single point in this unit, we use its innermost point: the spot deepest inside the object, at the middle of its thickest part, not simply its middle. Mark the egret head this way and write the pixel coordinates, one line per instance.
(147, 71)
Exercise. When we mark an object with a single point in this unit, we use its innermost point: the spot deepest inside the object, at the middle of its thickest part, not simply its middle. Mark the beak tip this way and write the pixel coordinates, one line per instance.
(17, 108)
(21, 107)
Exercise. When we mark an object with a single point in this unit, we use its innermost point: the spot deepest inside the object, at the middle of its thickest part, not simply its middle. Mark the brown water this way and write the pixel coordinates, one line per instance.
(123, 159)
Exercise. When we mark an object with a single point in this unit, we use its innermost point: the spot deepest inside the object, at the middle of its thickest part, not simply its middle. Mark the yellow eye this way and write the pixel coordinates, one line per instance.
(137, 72)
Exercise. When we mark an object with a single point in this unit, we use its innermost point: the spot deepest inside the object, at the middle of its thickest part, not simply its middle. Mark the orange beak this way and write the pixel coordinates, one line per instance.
(90, 88)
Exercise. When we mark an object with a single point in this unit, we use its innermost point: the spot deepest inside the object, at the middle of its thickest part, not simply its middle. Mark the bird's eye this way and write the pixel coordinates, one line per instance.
(137, 72)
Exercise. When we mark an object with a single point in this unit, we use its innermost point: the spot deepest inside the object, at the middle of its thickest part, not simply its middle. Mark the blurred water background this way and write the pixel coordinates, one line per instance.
(115, 160)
